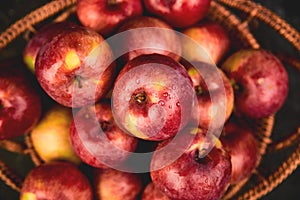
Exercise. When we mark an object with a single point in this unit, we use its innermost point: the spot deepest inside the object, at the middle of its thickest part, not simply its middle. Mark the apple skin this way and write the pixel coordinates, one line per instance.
(89, 143)
(20, 102)
(238, 139)
(42, 36)
(151, 192)
(111, 184)
(149, 35)
(212, 39)
(105, 16)
(54, 129)
(208, 88)
(192, 177)
(174, 10)
(56, 180)
(260, 80)
(76, 67)
(152, 97)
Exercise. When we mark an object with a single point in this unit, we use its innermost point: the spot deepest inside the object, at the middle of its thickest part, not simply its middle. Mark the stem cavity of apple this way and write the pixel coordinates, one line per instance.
(140, 97)
(105, 125)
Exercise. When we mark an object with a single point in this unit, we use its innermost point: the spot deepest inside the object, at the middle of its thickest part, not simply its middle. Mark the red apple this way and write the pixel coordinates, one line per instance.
(193, 175)
(211, 38)
(148, 35)
(97, 140)
(178, 13)
(153, 97)
(54, 129)
(20, 102)
(57, 180)
(104, 16)
(151, 192)
(238, 139)
(76, 67)
(214, 93)
(260, 80)
(41, 37)
(111, 184)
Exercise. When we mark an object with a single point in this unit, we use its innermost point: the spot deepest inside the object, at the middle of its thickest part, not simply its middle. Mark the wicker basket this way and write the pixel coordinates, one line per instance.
(238, 17)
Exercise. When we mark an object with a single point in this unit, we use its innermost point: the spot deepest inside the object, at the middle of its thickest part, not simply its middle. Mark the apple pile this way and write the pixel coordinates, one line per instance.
(138, 100)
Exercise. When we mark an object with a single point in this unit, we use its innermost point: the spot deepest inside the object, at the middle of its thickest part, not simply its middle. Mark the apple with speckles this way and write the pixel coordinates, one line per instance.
(195, 174)
(117, 185)
(151, 192)
(76, 68)
(56, 180)
(20, 101)
(105, 16)
(96, 138)
(260, 82)
(178, 13)
(153, 97)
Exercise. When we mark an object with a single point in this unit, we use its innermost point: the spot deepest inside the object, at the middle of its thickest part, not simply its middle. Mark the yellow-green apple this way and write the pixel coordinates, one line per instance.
(41, 37)
(20, 102)
(148, 35)
(211, 39)
(260, 81)
(215, 95)
(151, 192)
(54, 129)
(193, 175)
(178, 13)
(105, 16)
(153, 97)
(111, 184)
(238, 139)
(96, 138)
(76, 68)
(56, 180)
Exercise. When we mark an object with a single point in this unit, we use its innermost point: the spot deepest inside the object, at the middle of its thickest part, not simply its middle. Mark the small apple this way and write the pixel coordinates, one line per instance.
(260, 81)
(214, 93)
(192, 175)
(54, 129)
(41, 37)
(153, 97)
(56, 180)
(178, 13)
(238, 139)
(97, 140)
(111, 184)
(104, 16)
(151, 192)
(76, 67)
(20, 102)
(212, 39)
(148, 35)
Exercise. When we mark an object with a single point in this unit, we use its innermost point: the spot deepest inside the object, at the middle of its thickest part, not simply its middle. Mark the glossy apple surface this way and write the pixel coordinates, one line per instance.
(96, 138)
(148, 35)
(239, 140)
(214, 94)
(212, 39)
(152, 97)
(20, 102)
(261, 82)
(105, 16)
(178, 13)
(192, 175)
(54, 129)
(57, 180)
(41, 37)
(76, 67)
(117, 185)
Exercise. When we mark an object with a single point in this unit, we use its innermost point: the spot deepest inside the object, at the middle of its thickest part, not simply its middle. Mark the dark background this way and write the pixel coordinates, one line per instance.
(287, 119)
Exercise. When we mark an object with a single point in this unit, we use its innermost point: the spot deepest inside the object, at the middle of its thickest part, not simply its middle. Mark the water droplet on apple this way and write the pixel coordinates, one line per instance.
(165, 94)
(138, 81)
(177, 104)
(161, 102)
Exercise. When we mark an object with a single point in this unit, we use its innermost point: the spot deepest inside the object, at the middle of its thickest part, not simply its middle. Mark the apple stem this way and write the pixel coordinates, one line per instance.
(234, 85)
(78, 80)
(112, 2)
(140, 97)
(199, 90)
